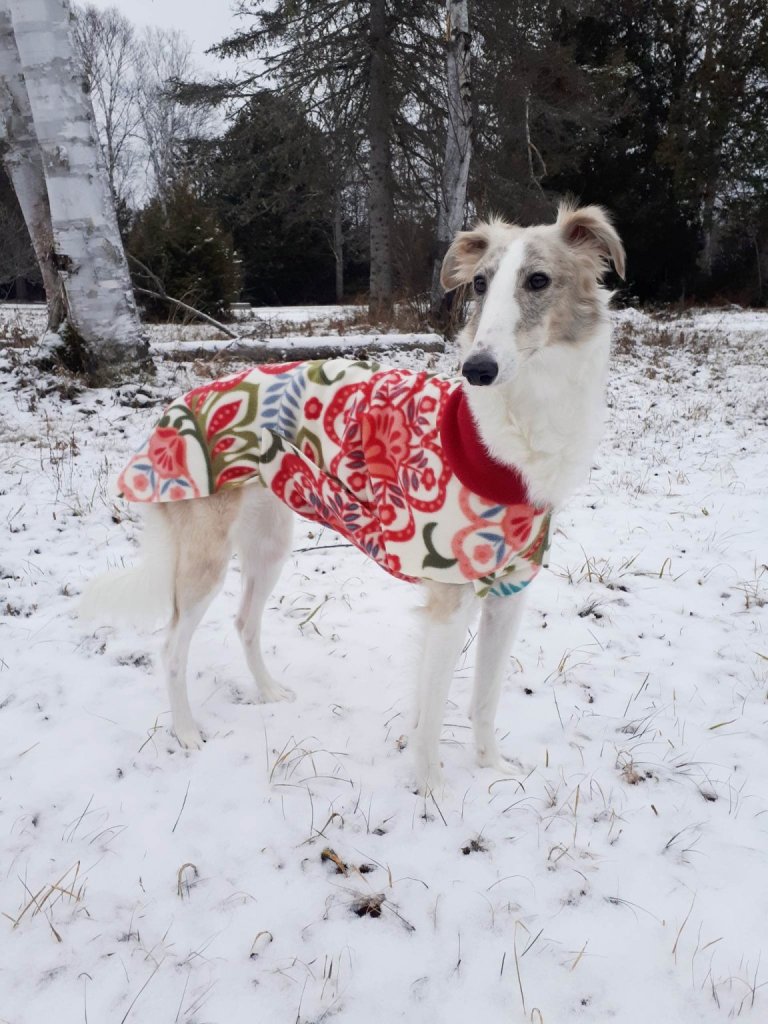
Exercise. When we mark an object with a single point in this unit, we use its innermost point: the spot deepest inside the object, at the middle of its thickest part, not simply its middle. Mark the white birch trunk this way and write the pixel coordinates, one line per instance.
(104, 326)
(24, 163)
(458, 143)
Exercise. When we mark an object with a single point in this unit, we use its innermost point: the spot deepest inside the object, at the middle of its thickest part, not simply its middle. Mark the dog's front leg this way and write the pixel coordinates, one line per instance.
(499, 624)
(448, 611)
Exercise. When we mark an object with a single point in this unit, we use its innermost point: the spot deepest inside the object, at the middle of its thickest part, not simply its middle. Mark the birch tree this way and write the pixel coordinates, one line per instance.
(458, 139)
(100, 334)
(24, 164)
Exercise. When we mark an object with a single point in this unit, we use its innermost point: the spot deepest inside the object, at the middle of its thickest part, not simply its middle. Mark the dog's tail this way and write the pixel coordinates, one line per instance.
(143, 595)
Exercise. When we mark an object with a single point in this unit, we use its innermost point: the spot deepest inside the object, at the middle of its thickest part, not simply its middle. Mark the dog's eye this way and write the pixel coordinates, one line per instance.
(538, 281)
(480, 284)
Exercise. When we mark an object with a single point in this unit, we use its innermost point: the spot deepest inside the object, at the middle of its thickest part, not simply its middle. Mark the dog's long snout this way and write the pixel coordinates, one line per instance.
(480, 369)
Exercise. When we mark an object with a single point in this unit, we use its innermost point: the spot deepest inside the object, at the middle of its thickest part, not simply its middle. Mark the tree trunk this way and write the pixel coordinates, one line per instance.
(338, 246)
(458, 142)
(103, 336)
(708, 230)
(24, 164)
(379, 174)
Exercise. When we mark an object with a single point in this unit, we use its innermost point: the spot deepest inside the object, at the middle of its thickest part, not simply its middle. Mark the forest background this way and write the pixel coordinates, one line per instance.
(316, 172)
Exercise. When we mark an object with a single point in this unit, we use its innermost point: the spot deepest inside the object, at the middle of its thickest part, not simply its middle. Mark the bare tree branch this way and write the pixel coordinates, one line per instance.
(189, 309)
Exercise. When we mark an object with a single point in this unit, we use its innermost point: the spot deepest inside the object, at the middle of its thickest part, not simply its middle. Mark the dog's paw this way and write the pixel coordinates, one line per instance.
(190, 737)
(429, 780)
(497, 762)
(275, 691)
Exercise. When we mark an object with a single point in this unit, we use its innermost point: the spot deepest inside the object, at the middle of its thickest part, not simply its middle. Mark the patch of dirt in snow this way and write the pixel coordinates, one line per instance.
(620, 875)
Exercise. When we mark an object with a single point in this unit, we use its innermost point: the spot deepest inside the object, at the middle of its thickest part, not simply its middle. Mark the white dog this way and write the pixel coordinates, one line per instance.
(447, 481)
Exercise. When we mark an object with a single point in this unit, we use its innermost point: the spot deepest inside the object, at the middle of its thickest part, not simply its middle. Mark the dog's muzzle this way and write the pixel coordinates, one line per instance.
(480, 370)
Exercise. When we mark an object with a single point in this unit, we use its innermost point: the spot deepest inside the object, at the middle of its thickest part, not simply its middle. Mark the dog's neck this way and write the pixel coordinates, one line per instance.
(548, 421)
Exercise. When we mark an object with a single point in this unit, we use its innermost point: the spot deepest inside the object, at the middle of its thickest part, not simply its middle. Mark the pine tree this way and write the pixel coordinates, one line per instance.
(366, 69)
(180, 241)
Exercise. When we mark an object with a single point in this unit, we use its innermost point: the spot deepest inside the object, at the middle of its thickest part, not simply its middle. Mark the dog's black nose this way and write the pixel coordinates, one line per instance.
(481, 370)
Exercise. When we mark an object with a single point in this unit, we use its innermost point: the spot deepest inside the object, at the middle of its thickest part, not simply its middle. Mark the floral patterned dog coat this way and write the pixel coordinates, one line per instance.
(390, 459)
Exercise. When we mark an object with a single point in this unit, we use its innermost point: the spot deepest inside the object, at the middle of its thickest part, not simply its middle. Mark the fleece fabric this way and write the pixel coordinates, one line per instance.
(390, 459)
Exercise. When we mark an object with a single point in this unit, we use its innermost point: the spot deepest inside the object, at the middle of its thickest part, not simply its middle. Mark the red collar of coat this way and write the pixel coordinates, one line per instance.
(469, 458)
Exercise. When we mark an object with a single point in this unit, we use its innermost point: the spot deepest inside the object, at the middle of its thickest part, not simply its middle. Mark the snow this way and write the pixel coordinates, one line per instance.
(265, 320)
(322, 315)
(620, 875)
(318, 345)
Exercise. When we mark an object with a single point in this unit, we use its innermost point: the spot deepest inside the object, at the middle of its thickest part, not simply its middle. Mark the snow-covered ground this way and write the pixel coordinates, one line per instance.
(620, 876)
(29, 318)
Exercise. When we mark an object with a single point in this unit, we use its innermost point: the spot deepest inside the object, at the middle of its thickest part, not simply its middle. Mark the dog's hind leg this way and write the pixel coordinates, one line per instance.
(202, 535)
(262, 537)
(449, 611)
(499, 624)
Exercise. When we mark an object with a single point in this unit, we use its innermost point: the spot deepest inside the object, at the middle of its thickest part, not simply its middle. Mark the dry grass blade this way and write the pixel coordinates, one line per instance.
(48, 895)
(262, 934)
(330, 855)
(682, 926)
(183, 883)
(321, 831)
(181, 810)
(576, 962)
(138, 994)
(517, 968)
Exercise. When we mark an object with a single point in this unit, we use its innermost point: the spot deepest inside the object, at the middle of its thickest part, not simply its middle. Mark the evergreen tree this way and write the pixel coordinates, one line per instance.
(682, 84)
(271, 180)
(367, 70)
(189, 256)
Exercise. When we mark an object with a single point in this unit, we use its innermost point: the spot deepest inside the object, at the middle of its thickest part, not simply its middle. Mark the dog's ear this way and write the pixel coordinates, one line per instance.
(463, 256)
(589, 229)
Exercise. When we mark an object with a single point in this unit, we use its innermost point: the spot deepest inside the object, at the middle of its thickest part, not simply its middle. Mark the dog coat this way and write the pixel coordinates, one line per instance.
(390, 459)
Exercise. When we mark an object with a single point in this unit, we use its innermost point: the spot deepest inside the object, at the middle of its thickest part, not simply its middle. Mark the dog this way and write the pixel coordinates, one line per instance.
(448, 481)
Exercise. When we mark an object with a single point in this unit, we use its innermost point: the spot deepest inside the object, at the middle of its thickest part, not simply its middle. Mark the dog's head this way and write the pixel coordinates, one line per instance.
(534, 287)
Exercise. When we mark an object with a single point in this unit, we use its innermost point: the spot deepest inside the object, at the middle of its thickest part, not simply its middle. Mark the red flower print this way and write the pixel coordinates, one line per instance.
(427, 404)
(276, 368)
(357, 481)
(387, 515)
(140, 483)
(428, 479)
(176, 493)
(227, 383)
(313, 408)
(517, 525)
(483, 554)
(222, 446)
(167, 452)
(234, 473)
(195, 398)
(222, 417)
(482, 546)
(385, 441)
(293, 483)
